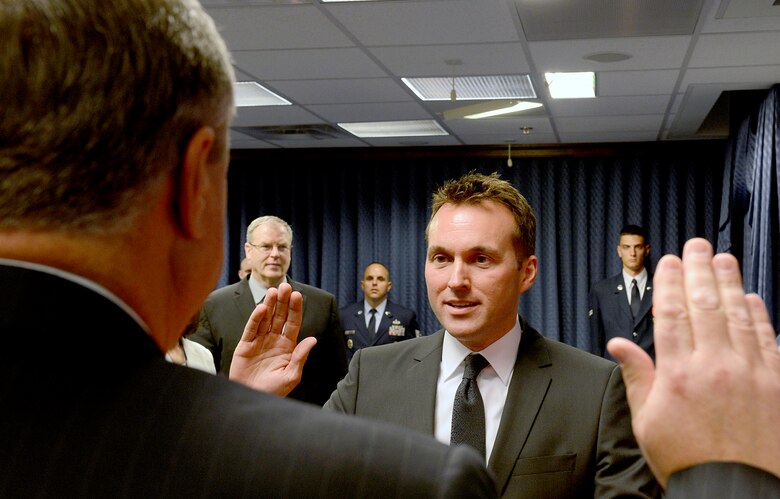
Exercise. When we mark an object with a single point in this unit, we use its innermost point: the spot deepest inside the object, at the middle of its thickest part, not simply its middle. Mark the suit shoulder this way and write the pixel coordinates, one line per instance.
(311, 291)
(399, 309)
(606, 285)
(351, 309)
(413, 348)
(575, 358)
(225, 291)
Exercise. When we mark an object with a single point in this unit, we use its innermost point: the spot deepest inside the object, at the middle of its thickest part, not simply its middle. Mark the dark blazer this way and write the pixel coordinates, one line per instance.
(565, 430)
(722, 480)
(353, 319)
(610, 316)
(89, 408)
(227, 309)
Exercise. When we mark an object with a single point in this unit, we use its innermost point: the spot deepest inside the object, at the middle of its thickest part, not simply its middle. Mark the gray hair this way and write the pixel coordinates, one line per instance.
(99, 101)
(257, 222)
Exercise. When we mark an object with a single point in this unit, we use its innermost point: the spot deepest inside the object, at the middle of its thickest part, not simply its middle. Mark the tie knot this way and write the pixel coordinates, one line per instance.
(633, 283)
(475, 363)
(372, 311)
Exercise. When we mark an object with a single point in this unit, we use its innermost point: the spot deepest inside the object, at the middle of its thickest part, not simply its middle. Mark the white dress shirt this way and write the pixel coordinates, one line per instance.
(493, 383)
(641, 282)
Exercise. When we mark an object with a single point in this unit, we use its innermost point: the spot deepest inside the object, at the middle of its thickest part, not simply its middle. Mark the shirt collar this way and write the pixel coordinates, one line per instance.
(258, 290)
(502, 354)
(380, 309)
(641, 279)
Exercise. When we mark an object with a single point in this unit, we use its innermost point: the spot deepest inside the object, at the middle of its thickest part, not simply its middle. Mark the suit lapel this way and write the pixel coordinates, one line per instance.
(620, 295)
(527, 390)
(244, 301)
(421, 380)
(361, 329)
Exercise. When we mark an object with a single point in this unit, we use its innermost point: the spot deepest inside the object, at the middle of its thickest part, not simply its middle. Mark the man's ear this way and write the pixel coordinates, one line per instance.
(194, 182)
(529, 267)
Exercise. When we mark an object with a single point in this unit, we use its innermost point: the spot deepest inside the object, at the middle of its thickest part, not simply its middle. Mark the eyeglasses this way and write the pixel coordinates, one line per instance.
(267, 248)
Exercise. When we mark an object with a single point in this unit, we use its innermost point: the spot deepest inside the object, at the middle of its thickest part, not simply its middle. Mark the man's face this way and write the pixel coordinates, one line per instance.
(632, 250)
(471, 270)
(244, 269)
(268, 251)
(376, 283)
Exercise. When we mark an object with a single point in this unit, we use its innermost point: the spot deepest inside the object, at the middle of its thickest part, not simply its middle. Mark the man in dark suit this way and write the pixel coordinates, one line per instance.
(113, 162)
(707, 414)
(621, 305)
(268, 248)
(391, 322)
(554, 420)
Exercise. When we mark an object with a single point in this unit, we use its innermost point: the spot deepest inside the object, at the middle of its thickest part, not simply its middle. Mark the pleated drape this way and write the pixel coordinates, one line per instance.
(349, 210)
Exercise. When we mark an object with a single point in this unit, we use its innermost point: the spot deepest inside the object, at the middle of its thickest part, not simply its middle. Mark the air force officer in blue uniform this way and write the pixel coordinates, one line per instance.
(621, 305)
(391, 322)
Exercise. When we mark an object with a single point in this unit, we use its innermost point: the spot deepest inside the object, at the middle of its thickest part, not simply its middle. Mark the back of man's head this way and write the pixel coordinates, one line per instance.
(98, 102)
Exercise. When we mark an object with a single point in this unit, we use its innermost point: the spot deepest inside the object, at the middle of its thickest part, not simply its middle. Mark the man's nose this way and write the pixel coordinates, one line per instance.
(458, 275)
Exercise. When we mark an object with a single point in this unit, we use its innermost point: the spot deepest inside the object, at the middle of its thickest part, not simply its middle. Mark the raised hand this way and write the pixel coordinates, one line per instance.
(268, 357)
(714, 394)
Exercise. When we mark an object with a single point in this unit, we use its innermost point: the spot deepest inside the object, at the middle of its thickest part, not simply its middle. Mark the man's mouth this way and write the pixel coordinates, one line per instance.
(460, 305)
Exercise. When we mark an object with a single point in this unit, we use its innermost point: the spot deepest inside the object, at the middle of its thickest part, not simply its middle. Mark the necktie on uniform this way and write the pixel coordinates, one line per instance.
(468, 411)
(372, 323)
(635, 299)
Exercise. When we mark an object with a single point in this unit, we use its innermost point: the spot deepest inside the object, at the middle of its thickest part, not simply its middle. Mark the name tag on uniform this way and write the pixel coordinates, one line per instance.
(396, 329)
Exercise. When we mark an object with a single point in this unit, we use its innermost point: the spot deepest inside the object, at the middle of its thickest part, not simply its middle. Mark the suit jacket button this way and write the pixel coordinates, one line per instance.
(635, 335)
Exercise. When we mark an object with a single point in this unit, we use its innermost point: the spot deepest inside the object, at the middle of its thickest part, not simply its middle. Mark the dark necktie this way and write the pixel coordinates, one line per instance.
(635, 299)
(468, 411)
(372, 323)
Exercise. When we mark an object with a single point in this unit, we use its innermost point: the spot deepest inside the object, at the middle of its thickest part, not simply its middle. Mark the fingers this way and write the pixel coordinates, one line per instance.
(637, 369)
(300, 354)
(672, 333)
(702, 294)
(279, 315)
(254, 324)
(742, 334)
(765, 333)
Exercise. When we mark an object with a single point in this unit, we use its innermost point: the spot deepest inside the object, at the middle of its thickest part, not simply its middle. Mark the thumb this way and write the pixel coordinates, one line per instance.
(300, 354)
(637, 368)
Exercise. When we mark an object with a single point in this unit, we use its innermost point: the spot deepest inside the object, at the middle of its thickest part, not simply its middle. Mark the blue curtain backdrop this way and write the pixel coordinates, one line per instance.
(750, 216)
(349, 208)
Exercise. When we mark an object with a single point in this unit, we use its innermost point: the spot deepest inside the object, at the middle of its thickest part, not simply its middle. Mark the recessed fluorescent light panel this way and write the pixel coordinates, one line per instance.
(250, 93)
(472, 87)
(571, 85)
(417, 128)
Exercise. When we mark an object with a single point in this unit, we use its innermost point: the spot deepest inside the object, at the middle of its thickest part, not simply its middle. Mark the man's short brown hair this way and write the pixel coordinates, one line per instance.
(475, 188)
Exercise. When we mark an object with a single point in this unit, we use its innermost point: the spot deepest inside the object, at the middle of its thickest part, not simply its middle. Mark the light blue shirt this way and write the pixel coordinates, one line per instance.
(380, 311)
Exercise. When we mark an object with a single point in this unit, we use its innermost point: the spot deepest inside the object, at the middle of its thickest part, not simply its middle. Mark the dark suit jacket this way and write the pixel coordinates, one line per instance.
(610, 316)
(565, 430)
(722, 481)
(353, 320)
(89, 408)
(227, 310)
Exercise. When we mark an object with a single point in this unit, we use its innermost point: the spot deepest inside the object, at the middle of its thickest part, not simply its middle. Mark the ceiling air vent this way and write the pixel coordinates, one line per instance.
(292, 132)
